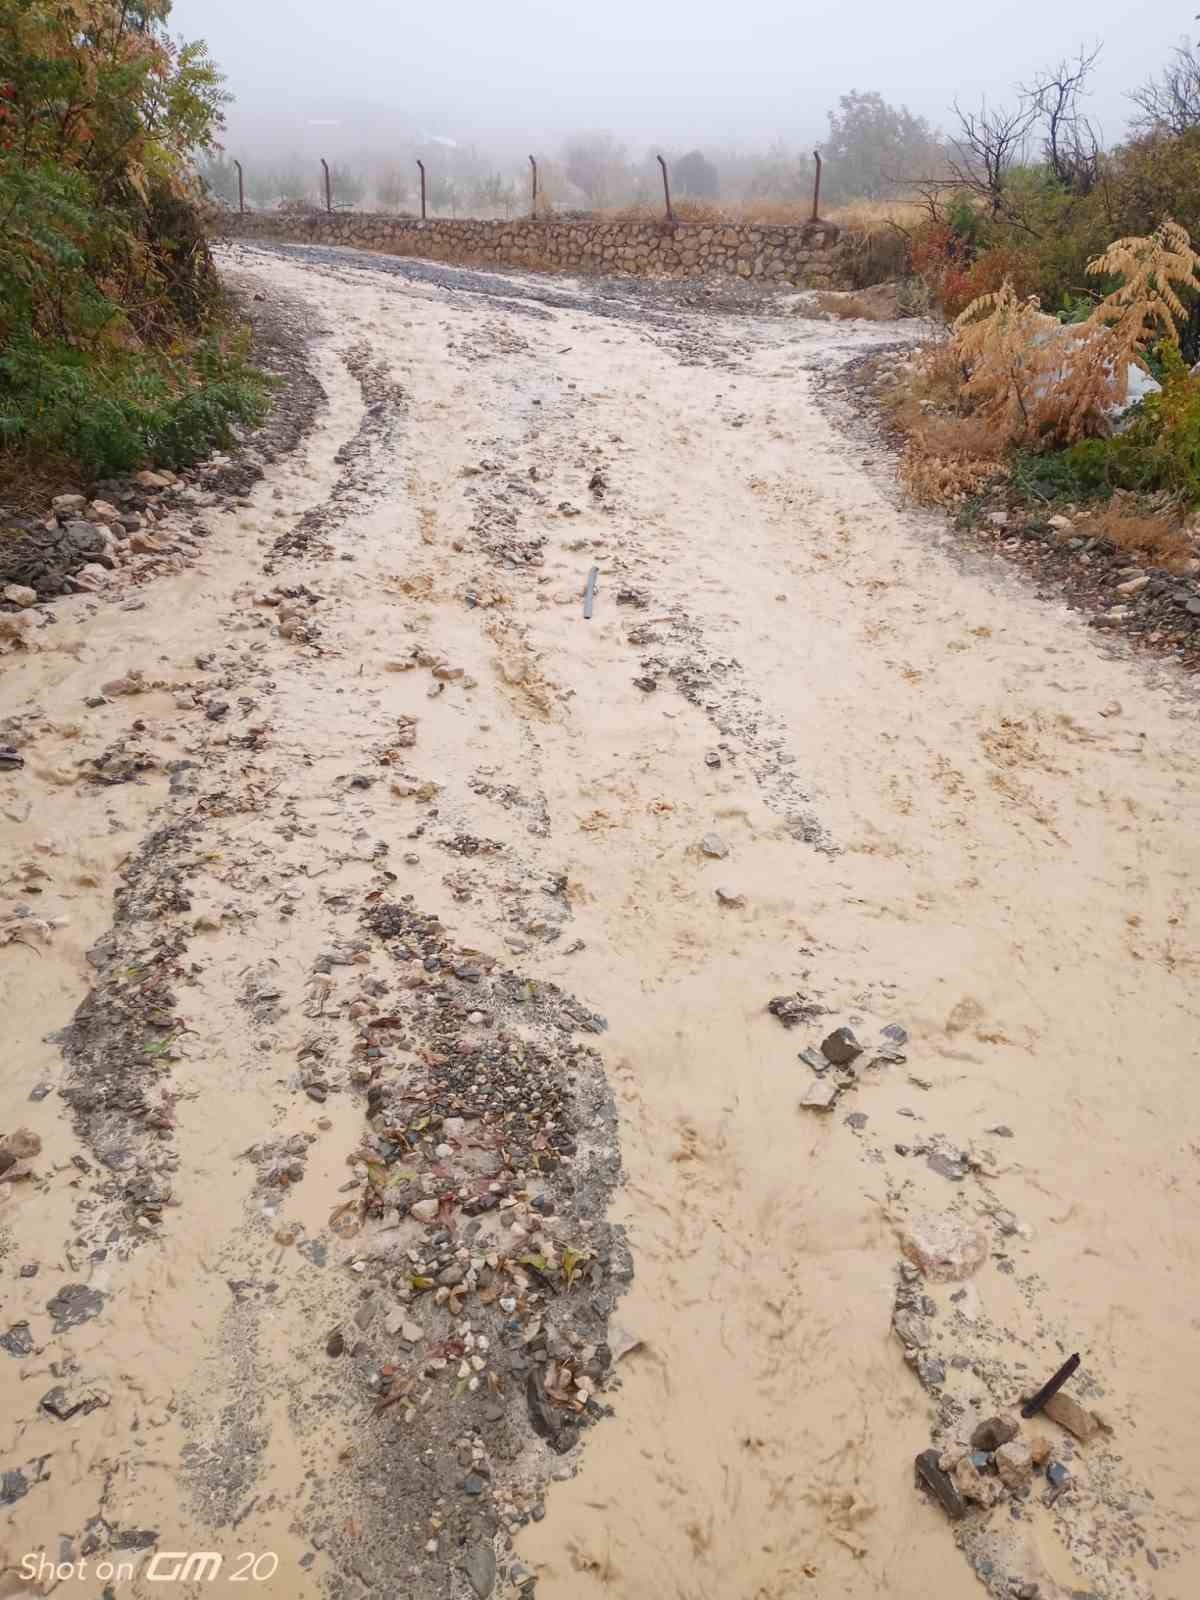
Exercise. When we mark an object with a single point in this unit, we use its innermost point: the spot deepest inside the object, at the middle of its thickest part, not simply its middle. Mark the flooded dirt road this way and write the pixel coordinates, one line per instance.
(407, 980)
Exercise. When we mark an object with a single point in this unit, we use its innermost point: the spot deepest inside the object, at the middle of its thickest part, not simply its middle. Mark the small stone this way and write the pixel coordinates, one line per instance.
(335, 1345)
(946, 1166)
(972, 1484)
(896, 1033)
(479, 1564)
(712, 759)
(1041, 1449)
(17, 594)
(1014, 1463)
(945, 1249)
(1069, 1414)
(424, 1210)
(473, 1484)
(821, 1095)
(729, 898)
(411, 1332)
(911, 1330)
(940, 1485)
(1057, 1477)
(1133, 585)
(841, 1047)
(66, 504)
(74, 1304)
(993, 1432)
(714, 846)
(18, 1341)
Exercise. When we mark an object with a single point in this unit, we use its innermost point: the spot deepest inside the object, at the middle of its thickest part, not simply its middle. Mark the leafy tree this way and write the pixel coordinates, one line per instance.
(695, 177)
(873, 146)
(219, 177)
(106, 282)
(596, 164)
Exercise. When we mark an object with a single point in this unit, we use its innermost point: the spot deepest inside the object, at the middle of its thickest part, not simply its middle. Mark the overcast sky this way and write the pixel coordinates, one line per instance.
(676, 72)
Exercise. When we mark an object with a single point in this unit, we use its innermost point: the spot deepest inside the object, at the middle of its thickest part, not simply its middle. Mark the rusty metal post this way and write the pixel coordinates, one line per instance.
(328, 186)
(421, 164)
(666, 189)
(241, 189)
(816, 215)
(533, 164)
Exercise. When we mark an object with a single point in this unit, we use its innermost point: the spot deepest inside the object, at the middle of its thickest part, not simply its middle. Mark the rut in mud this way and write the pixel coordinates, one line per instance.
(422, 982)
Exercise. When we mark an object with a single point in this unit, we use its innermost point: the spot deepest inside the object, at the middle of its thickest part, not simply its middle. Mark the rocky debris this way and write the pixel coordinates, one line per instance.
(841, 1048)
(10, 758)
(940, 1484)
(821, 1095)
(66, 1403)
(20, 1146)
(479, 1564)
(714, 846)
(730, 898)
(19, 595)
(993, 1432)
(1014, 1463)
(18, 1341)
(792, 1009)
(944, 1249)
(1058, 1477)
(979, 1488)
(74, 1304)
(1071, 1415)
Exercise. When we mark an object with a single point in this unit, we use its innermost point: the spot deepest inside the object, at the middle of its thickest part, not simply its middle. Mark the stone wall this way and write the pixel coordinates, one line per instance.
(813, 255)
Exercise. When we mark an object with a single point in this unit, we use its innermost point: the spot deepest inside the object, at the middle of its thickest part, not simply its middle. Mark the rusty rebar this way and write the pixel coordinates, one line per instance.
(241, 188)
(328, 187)
(421, 164)
(1047, 1392)
(666, 188)
(533, 211)
(816, 214)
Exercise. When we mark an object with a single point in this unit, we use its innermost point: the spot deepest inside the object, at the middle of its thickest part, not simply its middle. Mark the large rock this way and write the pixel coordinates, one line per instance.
(1014, 1463)
(993, 1432)
(1069, 1414)
(945, 1249)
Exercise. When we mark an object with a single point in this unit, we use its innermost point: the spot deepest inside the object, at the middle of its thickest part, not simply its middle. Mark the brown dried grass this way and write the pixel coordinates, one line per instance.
(1152, 536)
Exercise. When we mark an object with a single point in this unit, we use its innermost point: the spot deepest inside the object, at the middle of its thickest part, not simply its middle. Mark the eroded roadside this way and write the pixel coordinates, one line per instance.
(400, 889)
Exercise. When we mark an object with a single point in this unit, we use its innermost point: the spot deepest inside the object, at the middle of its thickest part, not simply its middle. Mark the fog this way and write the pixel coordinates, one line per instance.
(365, 76)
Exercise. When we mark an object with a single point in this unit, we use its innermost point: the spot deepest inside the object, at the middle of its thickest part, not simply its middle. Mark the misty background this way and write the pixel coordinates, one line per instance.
(475, 87)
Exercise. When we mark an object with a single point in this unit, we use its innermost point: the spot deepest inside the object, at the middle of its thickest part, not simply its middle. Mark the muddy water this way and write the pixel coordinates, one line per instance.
(944, 804)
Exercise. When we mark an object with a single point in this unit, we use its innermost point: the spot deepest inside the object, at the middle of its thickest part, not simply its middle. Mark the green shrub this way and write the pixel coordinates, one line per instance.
(109, 304)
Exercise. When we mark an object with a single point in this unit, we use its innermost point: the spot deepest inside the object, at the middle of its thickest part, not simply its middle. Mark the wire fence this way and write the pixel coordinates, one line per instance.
(538, 205)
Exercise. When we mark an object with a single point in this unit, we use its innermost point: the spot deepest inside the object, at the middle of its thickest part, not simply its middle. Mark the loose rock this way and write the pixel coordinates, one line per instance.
(945, 1249)
(940, 1485)
(1069, 1414)
(841, 1047)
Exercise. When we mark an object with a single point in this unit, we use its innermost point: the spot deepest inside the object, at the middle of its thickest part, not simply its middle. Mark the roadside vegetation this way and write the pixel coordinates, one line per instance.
(1068, 287)
(116, 349)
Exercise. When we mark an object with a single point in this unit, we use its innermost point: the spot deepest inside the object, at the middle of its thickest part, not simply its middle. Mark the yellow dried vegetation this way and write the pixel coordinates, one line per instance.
(1012, 376)
(1040, 383)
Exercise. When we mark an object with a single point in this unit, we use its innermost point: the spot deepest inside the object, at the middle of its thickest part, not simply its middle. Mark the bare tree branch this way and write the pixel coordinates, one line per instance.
(1171, 103)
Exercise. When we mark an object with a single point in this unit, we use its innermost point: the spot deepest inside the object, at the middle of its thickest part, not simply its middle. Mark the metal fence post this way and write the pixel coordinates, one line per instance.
(533, 164)
(241, 189)
(666, 189)
(328, 186)
(421, 164)
(816, 216)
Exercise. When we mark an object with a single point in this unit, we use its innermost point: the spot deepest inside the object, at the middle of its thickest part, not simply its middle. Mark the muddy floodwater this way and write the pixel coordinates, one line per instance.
(426, 1179)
